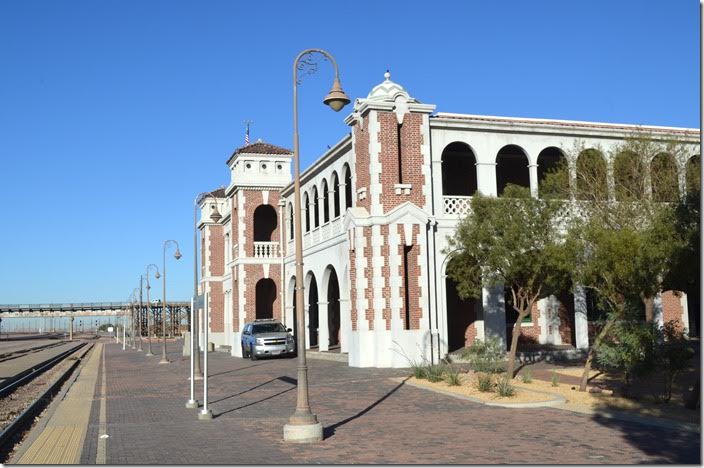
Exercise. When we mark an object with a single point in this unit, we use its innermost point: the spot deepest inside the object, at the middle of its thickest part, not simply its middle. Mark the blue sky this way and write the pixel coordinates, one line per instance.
(115, 114)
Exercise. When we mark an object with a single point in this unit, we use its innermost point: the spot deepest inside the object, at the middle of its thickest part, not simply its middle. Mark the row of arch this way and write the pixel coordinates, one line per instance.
(331, 297)
(331, 193)
(459, 175)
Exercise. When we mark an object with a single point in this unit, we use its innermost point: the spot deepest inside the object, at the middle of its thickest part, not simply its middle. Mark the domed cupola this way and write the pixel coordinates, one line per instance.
(389, 91)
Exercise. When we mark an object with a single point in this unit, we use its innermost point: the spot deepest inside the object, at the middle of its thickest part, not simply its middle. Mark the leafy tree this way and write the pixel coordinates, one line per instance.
(511, 240)
(622, 245)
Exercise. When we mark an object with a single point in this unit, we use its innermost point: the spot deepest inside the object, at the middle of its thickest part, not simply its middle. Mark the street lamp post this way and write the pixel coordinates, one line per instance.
(215, 216)
(149, 307)
(177, 255)
(303, 425)
(135, 314)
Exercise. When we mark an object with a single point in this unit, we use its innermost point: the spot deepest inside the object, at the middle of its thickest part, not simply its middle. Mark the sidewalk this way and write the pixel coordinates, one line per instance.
(368, 418)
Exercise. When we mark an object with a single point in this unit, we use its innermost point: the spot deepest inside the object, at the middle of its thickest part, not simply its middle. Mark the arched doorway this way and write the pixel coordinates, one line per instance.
(591, 176)
(265, 295)
(292, 323)
(333, 297)
(461, 314)
(313, 323)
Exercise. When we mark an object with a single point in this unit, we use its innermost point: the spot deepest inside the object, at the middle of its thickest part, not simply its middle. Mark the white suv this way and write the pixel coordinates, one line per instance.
(266, 337)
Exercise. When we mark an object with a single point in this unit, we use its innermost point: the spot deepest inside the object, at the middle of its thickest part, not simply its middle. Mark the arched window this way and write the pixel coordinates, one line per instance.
(265, 222)
(316, 215)
(511, 168)
(553, 173)
(459, 170)
(591, 176)
(306, 203)
(291, 220)
(693, 174)
(347, 175)
(326, 202)
(663, 178)
(629, 180)
(335, 195)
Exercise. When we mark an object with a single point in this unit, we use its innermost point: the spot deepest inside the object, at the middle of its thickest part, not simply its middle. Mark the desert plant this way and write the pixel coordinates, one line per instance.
(452, 376)
(555, 379)
(435, 372)
(631, 347)
(527, 376)
(484, 382)
(485, 355)
(504, 387)
(420, 371)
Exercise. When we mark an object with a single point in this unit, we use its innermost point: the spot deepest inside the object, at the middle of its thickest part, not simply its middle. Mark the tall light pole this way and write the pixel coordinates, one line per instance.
(134, 312)
(303, 425)
(215, 217)
(149, 307)
(177, 255)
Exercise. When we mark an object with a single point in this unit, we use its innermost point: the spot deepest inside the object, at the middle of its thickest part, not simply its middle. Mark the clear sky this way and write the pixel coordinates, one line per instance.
(115, 114)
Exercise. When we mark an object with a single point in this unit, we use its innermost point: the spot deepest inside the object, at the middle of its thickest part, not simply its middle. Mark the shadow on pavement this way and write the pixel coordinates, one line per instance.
(329, 431)
(237, 370)
(671, 446)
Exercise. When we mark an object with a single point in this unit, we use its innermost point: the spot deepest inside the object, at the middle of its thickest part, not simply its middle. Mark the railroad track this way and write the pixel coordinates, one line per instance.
(18, 353)
(21, 398)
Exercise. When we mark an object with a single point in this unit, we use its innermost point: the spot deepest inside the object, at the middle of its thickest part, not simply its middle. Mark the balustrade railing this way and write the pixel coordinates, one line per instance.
(456, 205)
(266, 250)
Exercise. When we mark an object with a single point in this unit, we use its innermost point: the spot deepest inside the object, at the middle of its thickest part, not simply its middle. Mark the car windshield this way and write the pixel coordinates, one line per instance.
(267, 328)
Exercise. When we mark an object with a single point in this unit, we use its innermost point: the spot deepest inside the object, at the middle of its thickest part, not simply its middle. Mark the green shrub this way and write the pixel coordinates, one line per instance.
(672, 356)
(419, 371)
(434, 373)
(555, 379)
(452, 376)
(527, 376)
(631, 348)
(504, 387)
(484, 382)
(485, 356)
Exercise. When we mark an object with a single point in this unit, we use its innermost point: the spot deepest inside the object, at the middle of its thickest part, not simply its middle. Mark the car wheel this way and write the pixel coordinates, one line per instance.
(252, 354)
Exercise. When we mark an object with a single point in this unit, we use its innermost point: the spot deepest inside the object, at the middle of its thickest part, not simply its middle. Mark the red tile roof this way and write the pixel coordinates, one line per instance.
(260, 147)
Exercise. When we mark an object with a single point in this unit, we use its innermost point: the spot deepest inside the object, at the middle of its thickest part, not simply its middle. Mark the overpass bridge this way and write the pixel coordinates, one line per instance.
(178, 313)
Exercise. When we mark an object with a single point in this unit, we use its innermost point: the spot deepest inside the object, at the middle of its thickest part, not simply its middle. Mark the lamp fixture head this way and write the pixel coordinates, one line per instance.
(215, 216)
(336, 98)
(177, 255)
(157, 275)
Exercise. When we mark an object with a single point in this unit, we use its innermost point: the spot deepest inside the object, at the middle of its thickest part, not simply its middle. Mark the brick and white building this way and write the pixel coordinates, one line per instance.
(378, 208)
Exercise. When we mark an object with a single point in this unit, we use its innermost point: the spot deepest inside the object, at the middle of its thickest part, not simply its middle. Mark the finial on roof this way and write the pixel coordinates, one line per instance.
(387, 75)
(259, 140)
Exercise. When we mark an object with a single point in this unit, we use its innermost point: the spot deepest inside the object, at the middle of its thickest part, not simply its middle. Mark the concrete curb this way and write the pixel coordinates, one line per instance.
(327, 356)
(556, 400)
(558, 403)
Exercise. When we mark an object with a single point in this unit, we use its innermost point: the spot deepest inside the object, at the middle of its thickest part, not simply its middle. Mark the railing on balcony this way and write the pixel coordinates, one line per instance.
(456, 205)
(322, 233)
(266, 250)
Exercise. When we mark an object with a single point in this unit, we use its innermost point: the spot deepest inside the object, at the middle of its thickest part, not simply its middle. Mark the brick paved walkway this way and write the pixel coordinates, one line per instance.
(367, 417)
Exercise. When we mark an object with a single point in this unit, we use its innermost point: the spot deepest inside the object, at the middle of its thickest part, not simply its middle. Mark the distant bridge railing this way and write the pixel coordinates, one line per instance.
(79, 308)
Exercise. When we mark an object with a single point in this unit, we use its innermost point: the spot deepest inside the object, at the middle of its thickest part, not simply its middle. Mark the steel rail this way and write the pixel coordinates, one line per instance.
(11, 430)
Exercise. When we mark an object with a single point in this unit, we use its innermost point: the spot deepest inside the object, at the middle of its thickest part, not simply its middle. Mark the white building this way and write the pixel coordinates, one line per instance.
(378, 208)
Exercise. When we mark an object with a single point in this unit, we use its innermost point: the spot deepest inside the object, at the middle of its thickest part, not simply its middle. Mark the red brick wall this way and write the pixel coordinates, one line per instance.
(216, 250)
(353, 285)
(368, 305)
(234, 224)
(413, 278)
(470, 334)
(531, 334)
(386, 274)
(411, 157)
(362, 163)
(253, 274)
(217, 307)
(672, 307)
(252, 200)
(235, 303)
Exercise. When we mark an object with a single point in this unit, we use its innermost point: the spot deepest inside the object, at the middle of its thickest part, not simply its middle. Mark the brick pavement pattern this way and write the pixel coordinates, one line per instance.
(368, 418)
